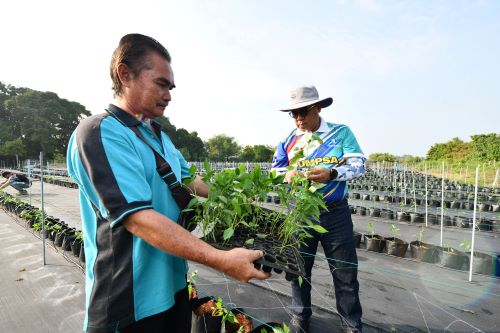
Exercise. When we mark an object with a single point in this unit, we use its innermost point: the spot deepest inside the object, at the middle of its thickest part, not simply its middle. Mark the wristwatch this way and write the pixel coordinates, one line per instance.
(333, 173)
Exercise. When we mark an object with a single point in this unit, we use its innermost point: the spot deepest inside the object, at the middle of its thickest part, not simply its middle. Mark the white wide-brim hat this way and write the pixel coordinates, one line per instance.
(304, 96)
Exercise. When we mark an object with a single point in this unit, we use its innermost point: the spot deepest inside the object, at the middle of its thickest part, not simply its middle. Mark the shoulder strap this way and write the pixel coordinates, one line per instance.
(162, 166)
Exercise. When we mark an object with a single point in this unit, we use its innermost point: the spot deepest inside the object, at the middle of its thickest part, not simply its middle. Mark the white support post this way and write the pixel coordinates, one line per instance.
(473, 226)
(442, 204)
(43, 211)
(495, 182)
(426, 195)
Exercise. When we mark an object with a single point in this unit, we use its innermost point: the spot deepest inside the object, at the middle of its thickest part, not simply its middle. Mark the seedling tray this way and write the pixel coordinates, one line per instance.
(275, 258)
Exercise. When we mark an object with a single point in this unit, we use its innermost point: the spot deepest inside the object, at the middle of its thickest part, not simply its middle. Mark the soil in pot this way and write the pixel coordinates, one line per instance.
(243, 321)
(396, 247)
(374, 243)
(455, 259)
(425, 252)
(203, 321)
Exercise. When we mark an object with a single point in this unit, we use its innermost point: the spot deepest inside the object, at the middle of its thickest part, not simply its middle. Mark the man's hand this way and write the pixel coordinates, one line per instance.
(318, 175)
(290, 174)
(238, 263)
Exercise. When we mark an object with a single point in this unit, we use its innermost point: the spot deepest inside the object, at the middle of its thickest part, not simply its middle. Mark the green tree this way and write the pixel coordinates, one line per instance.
(247, 154)
(382, 157)
(263, 153)
(486, 147)
(455, 149)
(189, 143)
(222, 148)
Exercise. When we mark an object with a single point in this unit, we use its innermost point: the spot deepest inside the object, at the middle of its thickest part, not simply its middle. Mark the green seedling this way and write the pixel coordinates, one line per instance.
(466, 245)
(421, 233)
(371, 228)
(394, 230)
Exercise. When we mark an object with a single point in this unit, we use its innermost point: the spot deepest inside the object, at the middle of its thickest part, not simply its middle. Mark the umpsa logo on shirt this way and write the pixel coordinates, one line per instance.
(319, 160)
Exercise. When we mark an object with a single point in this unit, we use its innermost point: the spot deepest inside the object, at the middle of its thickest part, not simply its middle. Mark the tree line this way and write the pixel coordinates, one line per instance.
(482, 147)
(33, 121)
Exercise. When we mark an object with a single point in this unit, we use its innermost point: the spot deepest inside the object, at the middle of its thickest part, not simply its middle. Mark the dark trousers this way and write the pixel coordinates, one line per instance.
(340, 251)
(177, 319)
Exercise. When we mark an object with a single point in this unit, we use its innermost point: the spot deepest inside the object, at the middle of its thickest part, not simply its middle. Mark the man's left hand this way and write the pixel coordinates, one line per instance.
(318, 175)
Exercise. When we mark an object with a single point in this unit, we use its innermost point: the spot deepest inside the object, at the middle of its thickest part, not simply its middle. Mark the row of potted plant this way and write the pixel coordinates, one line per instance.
(53, 229)
(445, 256)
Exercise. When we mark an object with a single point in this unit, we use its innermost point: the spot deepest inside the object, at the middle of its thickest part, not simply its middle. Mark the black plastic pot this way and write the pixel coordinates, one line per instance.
(59, 239)
(357, 239)
(416, 217)
(66, 244)
(484, 263)
(82, 253)
(464, 222)
(485, 225)
(374, 243)
(75, 247)
(425, 252)
(455, 259)
(387, 214)
(266, 328)
(204, 322)
(374, 212)
(361, 211)
(396, 247)
(403, 216)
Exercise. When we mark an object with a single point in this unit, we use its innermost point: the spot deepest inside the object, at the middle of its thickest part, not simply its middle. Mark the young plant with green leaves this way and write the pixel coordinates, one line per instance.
(394, 231)
(421, 233)
(371, 228)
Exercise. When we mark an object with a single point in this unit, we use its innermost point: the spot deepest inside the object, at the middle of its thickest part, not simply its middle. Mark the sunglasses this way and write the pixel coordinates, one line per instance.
(301, 112)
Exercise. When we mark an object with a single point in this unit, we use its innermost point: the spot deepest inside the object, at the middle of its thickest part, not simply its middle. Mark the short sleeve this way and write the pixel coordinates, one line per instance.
(113, 168)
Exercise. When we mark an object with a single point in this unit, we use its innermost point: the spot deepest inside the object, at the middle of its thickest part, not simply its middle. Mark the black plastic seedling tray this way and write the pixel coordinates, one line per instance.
(275, 258)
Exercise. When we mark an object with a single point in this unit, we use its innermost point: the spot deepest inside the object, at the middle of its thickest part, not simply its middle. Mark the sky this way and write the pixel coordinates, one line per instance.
(403, 74)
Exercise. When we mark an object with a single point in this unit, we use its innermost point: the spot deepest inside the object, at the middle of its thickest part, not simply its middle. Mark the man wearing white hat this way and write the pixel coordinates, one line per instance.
(333, 161)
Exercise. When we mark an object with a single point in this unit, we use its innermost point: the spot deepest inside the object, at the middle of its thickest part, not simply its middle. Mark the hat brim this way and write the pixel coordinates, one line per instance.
(324, 103)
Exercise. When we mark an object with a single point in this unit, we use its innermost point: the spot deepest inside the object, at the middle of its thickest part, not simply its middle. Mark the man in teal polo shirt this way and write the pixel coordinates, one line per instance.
(135, 251)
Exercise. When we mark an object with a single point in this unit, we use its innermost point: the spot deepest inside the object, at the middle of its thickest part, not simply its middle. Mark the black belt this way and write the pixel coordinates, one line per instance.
(331, 205)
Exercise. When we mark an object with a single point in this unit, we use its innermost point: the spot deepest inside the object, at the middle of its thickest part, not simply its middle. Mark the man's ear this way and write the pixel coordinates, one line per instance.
(124, 74)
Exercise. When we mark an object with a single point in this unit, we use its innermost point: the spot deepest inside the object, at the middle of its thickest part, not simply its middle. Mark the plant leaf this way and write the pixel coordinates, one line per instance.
(228, 233)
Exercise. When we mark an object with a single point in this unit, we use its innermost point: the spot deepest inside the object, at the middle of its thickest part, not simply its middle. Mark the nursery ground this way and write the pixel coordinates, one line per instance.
(397, 294)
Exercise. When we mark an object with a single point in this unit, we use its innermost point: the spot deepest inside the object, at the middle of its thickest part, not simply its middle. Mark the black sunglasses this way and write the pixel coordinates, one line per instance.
(301, 112)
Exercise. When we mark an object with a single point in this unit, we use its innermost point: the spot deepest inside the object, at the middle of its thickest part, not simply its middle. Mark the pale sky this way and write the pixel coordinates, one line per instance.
(403, 74)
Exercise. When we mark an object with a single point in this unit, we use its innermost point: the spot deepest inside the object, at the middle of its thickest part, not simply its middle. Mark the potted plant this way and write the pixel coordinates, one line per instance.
(206, 318)
(373, 242)
(395, 246)
(402, 215)
(452, 258)
(76, 243)
(271, 327)
(423, 251)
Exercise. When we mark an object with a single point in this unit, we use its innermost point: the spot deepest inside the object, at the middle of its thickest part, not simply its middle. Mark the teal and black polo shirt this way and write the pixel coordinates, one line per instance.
(126, 278)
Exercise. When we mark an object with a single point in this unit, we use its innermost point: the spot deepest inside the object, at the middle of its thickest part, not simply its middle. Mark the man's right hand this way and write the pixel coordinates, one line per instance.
(238, 263)
(290, 174)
